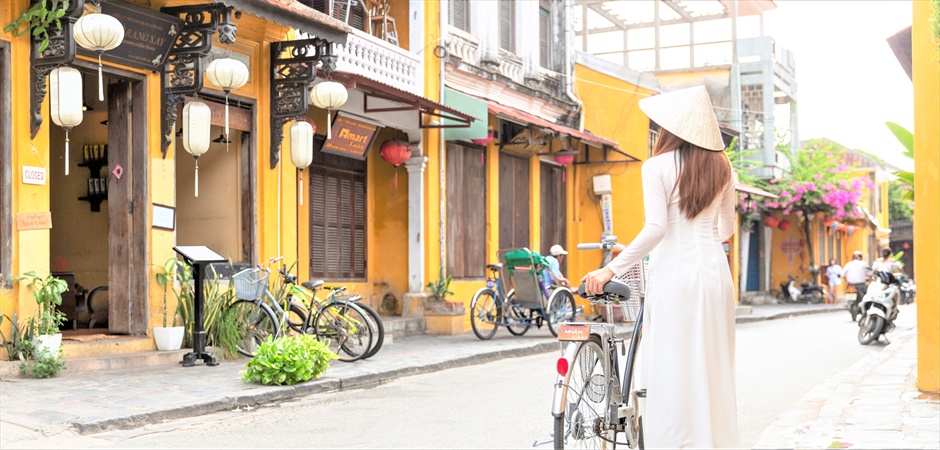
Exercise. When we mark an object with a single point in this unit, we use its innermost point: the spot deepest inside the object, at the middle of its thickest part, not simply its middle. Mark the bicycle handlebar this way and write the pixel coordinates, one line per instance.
(601, 246)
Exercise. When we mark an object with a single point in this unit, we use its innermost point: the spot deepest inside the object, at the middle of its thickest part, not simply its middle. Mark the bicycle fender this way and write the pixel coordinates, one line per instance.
(561, 383)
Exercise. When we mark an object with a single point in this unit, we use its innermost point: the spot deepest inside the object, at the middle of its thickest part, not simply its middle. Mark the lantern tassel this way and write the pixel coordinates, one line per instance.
(66, 152)
(196, 183)
(563, 173)
(226, 123)
(100, 80)
(300, 188)
(395, 183)
(328, 125)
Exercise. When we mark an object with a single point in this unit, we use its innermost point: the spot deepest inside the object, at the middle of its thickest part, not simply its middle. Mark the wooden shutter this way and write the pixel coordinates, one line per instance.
(554, 223)
(357, 13)
(466, 211)
(337, 198)
(505, 25)
(513, 202)
(545, 38)
(459, 14)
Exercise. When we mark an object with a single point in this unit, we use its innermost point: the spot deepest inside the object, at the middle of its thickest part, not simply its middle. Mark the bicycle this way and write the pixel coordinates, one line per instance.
(594, 398)
(306, 294)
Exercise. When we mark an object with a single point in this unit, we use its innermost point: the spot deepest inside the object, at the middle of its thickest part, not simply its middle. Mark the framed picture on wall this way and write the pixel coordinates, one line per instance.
(164, 217)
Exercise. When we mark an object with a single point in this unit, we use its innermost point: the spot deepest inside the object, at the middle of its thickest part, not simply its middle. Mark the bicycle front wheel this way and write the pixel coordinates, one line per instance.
(346, 330)
(484, 313)
(378, 329)
(255, 323)
(588, 396)
(561, 309)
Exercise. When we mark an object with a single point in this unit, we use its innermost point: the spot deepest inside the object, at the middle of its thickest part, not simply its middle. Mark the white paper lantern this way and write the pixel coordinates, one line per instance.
(197, 124)
(99, 33)
(328, 95)
(301, 151)
(228, 74)
(65, 102)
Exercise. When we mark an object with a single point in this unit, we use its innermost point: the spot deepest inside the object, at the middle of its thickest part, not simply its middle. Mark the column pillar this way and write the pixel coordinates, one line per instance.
(413, 304)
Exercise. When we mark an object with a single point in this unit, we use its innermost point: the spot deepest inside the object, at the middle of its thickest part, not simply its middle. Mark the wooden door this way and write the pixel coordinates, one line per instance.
(127, 209)
(513, 202)
(554, 223)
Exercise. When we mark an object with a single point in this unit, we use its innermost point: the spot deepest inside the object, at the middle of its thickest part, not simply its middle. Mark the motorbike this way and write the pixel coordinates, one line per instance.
(908, 289)
(879, 308)
(806, 293)
(851, 297)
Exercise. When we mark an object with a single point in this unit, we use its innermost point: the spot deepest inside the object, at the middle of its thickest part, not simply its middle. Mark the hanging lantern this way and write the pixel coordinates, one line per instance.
(771, 221)
(486, 140)
(395, 152)
(65, 102)
(301, 151)
(99, 33)
(328, 95)
(850, 230)
(834, 226)
(784, 225)
(828, 222)
(564, 158)
(197, 124)
(228, 74)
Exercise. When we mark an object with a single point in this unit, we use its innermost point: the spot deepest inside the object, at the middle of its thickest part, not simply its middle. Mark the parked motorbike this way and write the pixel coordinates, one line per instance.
(806, 293)
(879, 308)
(908, 289)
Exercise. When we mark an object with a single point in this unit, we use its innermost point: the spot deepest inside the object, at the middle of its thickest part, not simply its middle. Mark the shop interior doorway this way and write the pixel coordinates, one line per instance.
(98, 243)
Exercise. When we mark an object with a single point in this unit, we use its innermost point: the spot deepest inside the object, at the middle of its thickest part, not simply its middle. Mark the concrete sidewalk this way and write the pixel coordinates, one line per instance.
(93, 402)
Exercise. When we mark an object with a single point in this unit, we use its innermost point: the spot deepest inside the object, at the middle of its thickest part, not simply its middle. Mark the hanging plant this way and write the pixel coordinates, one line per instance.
(39, 20)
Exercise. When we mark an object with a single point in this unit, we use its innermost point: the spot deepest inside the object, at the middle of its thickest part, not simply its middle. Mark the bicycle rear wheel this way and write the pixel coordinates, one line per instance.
(561, 308)
(256, 323)
(587, 399)
(378, 329)
(296, 316)
(346, 329)
(484, 313)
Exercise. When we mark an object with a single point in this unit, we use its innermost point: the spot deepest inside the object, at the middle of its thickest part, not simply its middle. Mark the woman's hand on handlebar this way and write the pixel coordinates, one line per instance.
(595, 280)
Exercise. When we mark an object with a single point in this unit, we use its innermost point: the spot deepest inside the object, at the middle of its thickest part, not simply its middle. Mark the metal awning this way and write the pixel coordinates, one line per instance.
(403, 100)
(292, 13)
(741, 187)
(521, 116)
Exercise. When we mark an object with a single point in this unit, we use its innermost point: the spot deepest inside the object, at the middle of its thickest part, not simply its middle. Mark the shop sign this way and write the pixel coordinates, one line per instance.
(238, 118)
(34, 221)
(148, 36)
(34, 175)
(351, 136)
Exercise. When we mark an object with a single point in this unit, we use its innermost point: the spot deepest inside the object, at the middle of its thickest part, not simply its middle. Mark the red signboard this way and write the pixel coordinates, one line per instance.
(571, 332)
(350, 137)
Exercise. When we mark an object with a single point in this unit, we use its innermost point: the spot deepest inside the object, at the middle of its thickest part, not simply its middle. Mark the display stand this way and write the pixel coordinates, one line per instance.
(198, 256)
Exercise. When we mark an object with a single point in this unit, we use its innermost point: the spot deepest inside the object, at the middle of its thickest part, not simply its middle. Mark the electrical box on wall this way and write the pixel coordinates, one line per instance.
(601, 184)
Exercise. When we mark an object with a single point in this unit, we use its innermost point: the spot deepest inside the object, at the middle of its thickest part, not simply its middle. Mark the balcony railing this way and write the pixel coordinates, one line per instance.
(381, 61)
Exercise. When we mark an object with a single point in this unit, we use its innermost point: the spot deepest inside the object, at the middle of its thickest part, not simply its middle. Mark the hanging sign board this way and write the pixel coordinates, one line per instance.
(34, 175)
(34, 221)
(238, 118)
(351, 137)
(163, 217)
(148, 36)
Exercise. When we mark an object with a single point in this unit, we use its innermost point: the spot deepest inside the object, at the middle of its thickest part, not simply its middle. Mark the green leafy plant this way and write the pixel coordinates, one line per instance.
(45, 366)
(288, 360)
(166, 277)
(20, 344)
(935, 21)
(906, 138)
(48, 294)
(39, 20)
(440, 288)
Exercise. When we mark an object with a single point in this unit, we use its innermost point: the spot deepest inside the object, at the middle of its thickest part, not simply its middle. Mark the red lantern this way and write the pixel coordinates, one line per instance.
(829, 221)
(784, 225)
(771, 221)
(486, 140)
(842, 227)
(395, 152)
(564, 158)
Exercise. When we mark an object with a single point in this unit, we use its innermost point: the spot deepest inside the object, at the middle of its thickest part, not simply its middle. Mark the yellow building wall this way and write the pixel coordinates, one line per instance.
(927, 192)
(610, 111)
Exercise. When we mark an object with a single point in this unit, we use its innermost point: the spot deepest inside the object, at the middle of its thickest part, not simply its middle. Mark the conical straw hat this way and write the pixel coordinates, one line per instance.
(688, 114)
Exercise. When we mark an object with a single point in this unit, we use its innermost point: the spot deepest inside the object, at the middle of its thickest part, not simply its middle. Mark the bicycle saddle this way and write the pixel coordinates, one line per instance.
(498, 266)
(312, 285)
(612, 287)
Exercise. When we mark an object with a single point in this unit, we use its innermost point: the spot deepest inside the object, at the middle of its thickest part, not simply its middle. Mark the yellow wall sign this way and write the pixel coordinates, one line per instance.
(350, 137)
(34, 221)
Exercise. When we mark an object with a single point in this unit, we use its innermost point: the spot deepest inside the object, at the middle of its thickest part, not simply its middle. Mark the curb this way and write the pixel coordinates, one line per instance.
(784, 315)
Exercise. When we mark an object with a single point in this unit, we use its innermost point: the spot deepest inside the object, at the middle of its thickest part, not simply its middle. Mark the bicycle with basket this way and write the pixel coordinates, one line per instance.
(517, 297)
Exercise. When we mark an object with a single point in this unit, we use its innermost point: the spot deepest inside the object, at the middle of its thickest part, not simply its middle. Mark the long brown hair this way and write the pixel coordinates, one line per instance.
(703, 174)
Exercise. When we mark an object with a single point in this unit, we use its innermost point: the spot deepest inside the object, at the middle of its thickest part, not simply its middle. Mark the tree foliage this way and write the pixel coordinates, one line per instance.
(899, 207)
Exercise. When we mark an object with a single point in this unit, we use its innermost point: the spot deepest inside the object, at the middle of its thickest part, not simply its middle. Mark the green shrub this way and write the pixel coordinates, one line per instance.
(288, 360)
(44, 366)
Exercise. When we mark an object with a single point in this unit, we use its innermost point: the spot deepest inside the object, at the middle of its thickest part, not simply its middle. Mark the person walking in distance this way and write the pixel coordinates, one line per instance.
(834, 273)
(856, 274)
(556, 255)
(688, 359)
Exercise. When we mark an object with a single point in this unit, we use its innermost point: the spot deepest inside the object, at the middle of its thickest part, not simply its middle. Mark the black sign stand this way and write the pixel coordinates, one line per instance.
(198, 257)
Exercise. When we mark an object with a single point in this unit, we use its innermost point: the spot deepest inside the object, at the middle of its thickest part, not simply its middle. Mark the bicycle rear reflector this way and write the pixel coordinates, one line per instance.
(562, 366)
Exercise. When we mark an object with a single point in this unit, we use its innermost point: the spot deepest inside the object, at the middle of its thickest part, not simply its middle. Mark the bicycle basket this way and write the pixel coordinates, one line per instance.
(250, 283)
(635, 278)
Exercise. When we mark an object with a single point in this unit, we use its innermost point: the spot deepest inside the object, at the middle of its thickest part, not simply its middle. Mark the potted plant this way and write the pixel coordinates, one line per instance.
(39, 20)
(442, 316)
(168, 338)
(48, 294)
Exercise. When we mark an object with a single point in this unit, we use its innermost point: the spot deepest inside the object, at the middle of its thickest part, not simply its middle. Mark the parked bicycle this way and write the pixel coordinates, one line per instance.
(596, 398)
(518, 298)
(305, 294)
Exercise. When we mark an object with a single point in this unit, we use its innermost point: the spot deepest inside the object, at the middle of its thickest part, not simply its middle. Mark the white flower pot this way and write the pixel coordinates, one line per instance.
(168, 338)
(47, 344)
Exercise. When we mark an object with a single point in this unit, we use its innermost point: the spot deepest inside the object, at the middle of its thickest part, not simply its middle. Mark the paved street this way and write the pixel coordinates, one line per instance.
(501, 404)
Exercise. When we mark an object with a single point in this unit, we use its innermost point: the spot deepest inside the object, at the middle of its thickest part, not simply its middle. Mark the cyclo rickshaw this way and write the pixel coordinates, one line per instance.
(517, 295)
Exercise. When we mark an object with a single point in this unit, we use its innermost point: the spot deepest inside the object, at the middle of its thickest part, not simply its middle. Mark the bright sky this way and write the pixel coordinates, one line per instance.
(849, 82)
